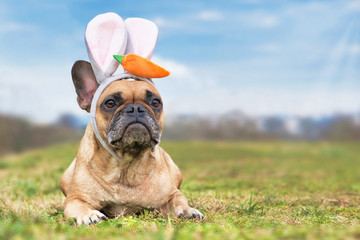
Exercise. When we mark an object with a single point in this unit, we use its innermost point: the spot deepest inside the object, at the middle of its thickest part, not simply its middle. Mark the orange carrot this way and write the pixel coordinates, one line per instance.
(140, 66)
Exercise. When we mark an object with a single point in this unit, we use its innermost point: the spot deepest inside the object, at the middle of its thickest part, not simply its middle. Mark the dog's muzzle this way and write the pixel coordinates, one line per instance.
(134, 128)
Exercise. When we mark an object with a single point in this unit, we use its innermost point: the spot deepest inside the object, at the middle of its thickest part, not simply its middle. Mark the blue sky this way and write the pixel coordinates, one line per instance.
(298, 58)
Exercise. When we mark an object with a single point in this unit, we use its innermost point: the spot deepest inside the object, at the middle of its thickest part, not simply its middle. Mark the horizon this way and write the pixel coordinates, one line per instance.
(85, 119)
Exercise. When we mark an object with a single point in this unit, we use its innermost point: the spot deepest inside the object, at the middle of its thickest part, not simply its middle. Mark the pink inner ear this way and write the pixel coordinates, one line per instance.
(106, 34)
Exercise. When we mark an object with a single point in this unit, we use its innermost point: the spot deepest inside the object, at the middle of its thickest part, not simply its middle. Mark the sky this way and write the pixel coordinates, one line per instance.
(293, 58)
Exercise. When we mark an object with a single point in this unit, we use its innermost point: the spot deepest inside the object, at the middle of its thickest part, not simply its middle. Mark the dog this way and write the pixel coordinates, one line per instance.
(130, 117)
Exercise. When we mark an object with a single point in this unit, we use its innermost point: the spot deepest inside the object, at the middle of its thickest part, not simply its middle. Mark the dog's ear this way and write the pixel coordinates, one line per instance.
(85, 83)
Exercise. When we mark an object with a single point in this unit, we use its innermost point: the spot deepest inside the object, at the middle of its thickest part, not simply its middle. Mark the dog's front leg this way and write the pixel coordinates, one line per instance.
(181, 207)
(83, 213)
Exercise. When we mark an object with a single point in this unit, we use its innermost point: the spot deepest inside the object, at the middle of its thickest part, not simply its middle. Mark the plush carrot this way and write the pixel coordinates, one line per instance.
(140, 66)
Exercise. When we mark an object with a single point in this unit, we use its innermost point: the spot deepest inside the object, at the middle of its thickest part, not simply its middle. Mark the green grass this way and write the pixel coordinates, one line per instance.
(246, 190)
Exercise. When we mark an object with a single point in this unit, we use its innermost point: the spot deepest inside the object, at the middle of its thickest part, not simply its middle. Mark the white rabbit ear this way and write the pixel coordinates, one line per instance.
(142, 37)
(105, 36)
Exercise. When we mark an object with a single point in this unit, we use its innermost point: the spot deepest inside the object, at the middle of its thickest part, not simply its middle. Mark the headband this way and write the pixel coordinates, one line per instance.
(110, 41)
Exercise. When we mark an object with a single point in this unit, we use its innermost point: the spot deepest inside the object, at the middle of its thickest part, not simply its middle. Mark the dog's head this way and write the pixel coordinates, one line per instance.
(129, 114)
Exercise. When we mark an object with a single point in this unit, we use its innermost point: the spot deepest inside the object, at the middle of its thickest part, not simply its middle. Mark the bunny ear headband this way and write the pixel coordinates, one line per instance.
(110, 41)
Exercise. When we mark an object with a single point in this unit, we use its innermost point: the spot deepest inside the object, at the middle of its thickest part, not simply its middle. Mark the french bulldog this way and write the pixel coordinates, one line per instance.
(130, 119)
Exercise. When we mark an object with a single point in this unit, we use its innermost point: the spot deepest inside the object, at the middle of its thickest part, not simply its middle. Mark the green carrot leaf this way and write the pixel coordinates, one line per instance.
(119, 58)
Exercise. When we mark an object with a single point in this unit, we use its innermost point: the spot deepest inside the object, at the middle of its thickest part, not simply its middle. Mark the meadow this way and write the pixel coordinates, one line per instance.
(246, 190)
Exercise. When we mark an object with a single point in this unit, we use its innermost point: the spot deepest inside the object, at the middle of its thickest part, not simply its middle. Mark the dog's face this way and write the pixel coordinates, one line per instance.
(129, 114)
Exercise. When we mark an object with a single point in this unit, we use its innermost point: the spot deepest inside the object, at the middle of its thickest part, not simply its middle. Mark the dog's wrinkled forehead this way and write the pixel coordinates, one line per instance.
(130, 90)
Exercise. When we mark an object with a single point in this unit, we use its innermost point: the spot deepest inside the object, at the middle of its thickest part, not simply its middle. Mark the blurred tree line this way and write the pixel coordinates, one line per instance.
(238, 126)
(18, 134)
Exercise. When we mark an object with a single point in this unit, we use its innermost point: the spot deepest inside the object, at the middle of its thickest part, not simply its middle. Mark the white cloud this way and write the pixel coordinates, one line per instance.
(256, 19)
(209, 16)
(172, 24)
(267, 22)
(353, 6)
(176, 69)
(208, 90)
(268, 48)
(353, 49)
(40, 93)
(160, 21)
(262, 101)
(8, 27)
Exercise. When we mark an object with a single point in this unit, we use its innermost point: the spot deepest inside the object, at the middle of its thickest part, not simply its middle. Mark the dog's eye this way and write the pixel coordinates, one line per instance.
(110, 103)
(155, 103)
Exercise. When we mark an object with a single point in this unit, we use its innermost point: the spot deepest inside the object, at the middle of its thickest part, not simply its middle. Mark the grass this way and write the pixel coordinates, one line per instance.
(246, 190)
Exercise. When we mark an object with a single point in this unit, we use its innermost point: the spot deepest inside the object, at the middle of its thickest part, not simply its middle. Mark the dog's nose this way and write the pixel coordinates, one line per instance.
(135, 108)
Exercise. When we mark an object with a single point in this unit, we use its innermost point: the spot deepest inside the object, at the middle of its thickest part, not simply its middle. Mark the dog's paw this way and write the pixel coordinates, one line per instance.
(91, 217)
(188, 213)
